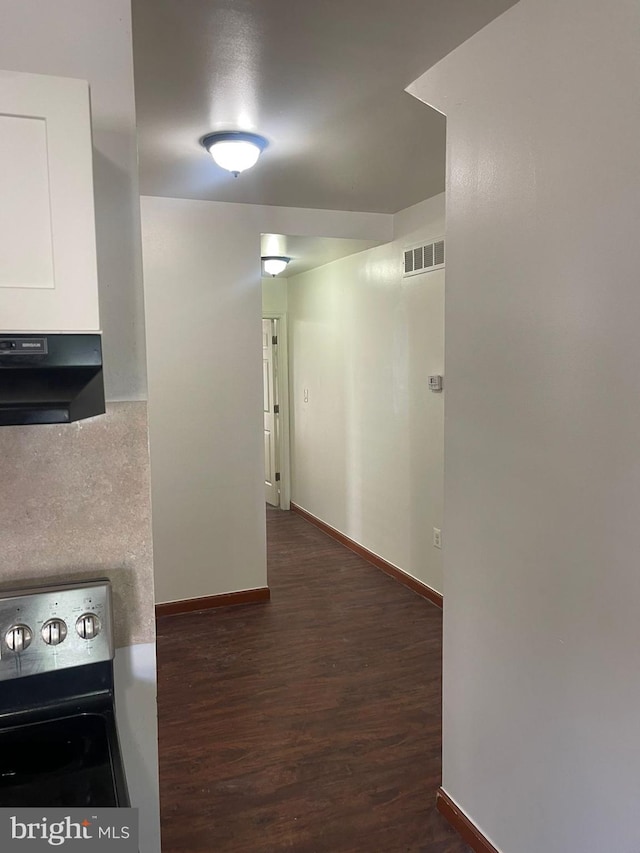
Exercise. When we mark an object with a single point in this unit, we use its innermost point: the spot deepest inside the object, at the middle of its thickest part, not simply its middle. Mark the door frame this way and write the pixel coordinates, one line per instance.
(281, 355)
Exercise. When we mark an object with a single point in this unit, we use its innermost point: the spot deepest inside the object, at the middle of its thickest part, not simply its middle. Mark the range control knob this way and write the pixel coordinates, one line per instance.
(88, 626)
(18, 638)
(54, 632)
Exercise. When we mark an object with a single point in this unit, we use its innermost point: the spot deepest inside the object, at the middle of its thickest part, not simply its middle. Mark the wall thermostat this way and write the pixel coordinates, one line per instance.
(435, 383)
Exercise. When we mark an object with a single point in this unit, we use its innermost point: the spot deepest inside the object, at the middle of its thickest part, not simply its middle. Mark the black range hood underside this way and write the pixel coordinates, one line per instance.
(58, 380)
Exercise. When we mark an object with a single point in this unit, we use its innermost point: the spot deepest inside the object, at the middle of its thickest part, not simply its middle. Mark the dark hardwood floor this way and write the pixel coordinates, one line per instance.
(310, 724)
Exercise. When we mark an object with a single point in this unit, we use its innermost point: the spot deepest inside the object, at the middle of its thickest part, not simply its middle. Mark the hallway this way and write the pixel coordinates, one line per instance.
(310, 724)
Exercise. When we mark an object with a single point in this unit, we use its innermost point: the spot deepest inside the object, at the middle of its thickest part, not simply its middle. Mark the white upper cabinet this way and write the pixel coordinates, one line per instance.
(48, 276)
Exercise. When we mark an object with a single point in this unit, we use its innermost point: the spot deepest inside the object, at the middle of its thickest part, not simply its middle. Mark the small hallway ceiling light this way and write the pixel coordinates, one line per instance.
(234, 150)
(274, 264)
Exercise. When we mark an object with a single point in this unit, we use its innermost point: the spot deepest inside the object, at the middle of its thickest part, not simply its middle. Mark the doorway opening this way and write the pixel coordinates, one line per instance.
(359, 415)
(280, 394)
(275, 407)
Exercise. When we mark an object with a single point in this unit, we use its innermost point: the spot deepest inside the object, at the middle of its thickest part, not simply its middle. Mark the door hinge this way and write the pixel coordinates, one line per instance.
(276, 409)
(278, 477)
(274, 340)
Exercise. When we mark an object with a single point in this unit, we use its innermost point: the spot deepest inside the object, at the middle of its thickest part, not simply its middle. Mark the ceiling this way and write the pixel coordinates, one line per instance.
(323, 80)
(307, 253)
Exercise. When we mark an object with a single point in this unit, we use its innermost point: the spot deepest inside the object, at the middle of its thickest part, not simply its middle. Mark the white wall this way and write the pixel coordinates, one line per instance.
(91, 39)
(542, 478)
(274, 295)
(204, 309)
(367, 447)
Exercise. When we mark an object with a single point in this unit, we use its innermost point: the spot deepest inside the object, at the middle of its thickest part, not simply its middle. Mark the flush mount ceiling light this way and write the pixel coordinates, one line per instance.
(234, 150)
(274, 264)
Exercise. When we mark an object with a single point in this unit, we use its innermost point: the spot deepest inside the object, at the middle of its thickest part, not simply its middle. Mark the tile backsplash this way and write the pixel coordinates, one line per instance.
(75, 504)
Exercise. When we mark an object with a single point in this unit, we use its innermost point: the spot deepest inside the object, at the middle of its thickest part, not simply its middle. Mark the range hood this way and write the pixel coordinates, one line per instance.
(50, 378)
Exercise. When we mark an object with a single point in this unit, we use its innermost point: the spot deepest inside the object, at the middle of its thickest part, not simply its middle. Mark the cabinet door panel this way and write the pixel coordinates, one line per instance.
(48, 279)
(26, 251)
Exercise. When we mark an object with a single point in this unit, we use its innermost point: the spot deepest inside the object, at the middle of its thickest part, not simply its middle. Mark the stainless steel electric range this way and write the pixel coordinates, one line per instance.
(58, 734)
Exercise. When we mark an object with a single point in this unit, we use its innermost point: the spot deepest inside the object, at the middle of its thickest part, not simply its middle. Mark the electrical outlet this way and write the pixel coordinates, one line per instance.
(437, 537)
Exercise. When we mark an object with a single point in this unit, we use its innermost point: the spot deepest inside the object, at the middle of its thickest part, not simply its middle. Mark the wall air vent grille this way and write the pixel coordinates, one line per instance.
(424, 258)
(428, 256)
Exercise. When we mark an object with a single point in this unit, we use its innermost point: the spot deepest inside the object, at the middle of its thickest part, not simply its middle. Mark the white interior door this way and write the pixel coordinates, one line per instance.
(271, 477)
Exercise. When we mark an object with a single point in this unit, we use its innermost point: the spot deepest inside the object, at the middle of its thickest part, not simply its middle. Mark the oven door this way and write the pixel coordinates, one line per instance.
(67, 761)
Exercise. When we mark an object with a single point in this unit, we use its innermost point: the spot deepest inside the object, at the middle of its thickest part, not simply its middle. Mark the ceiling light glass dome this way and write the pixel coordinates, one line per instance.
(274, 264)
(234, 150)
